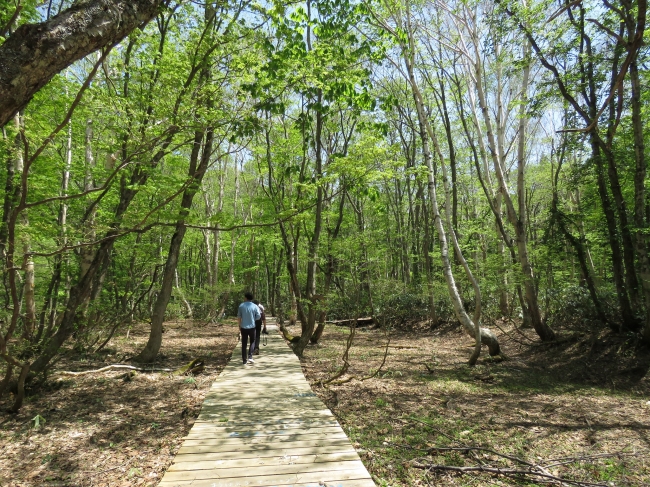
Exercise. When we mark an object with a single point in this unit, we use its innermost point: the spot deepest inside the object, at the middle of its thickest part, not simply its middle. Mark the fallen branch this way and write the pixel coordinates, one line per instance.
(568, 460)
(374, 374)
(437, 430)
(114, 367)
(342, 381)
(344, 368)
(195, 367)
(540, 471)
(510, 472)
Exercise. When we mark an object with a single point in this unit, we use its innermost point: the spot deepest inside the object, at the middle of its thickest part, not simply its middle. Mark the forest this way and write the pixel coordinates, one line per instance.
(443, 164)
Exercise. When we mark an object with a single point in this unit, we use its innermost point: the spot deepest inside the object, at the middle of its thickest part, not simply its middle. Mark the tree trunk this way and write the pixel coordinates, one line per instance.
(28, 287)
(578, 246)
(86, 253)
(517, 220)
(612, 230)
(426, 247)
(9, 196)
(640, 202)
(329, 268)
(312, 257)
(520, 221)
(188, 307)
(152, 347)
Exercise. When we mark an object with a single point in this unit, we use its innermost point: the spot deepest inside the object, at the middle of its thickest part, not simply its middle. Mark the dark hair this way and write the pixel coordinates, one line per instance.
(248, 295)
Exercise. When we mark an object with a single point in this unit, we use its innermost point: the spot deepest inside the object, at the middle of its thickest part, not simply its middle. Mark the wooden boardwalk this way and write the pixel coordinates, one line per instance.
(262, 426)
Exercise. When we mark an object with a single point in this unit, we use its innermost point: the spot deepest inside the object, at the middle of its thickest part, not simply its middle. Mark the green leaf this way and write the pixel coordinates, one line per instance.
(38, 421)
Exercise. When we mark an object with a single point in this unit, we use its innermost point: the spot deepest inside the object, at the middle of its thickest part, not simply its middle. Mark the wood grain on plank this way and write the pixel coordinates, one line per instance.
(279, 452)
(212, 477)
(189, 462)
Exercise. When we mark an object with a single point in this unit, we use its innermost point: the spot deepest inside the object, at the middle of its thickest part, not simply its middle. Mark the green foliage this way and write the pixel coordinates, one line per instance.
(317, 168)
(37, 421)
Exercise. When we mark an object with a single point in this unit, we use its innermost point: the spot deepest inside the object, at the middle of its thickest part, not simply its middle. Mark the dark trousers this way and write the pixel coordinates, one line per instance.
(246, 335)
(258, 334)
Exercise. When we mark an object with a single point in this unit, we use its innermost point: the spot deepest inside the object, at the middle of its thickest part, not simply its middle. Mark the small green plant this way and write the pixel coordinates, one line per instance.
(611, 470)
(380, 403)
(190, 380)
(134, 472)
(38, 421)
(155, 425)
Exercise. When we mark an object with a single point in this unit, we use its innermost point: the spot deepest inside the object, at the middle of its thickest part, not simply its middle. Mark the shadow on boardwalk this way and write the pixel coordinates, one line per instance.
(261, 425)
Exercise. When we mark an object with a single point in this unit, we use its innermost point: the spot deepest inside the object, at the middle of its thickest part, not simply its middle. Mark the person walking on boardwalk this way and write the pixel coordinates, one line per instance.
(247, 314)
(258, 328)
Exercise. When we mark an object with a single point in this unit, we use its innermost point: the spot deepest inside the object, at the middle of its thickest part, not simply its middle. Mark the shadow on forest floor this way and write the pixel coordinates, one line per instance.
(578, 397)
(580, 406)
(112, 428)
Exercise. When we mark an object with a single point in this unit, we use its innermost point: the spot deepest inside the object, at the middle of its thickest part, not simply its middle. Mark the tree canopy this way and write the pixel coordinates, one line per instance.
(443, 161)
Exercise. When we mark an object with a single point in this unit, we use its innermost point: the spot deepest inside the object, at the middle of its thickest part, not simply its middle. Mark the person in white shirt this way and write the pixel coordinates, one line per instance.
(258, 327)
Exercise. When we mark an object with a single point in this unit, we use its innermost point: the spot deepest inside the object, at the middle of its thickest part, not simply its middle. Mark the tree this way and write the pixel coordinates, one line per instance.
(34, 53)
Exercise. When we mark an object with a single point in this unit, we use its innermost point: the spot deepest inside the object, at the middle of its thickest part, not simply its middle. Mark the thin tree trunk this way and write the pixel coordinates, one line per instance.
(640, 203)
(532, 306)
(577, 244)
(427, 245)
(612, 230)
(482, 335)
(196, 172)
(182, 295)
(87, 252)
(520, 221)
(312, 257)
(329, 269)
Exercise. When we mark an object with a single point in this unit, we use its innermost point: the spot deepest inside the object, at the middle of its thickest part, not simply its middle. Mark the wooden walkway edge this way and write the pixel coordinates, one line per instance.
(262, 426)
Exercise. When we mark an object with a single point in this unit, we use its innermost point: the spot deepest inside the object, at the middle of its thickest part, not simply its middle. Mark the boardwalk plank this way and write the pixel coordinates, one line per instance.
(263, 470)
(325, 482)
(279, 422)
(243, 446)
(258, 439)
(210, 478)
(207, 432)
(189, 462)
(279, 452)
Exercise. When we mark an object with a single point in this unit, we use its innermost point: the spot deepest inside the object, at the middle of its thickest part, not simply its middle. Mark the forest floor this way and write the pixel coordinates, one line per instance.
(112, 428)
(579, 409)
